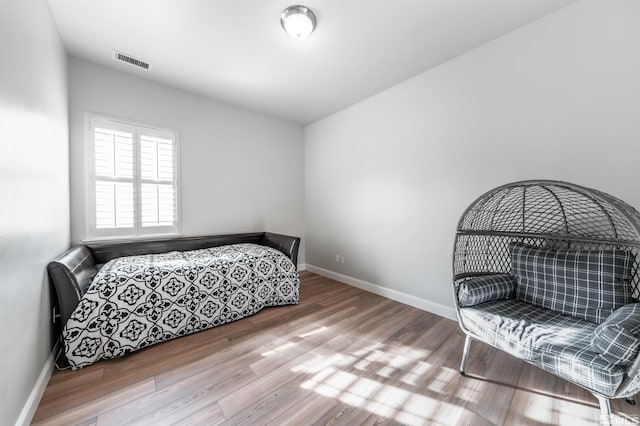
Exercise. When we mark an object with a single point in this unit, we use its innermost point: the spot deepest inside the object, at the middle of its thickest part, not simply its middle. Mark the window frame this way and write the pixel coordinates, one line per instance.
(93, 120)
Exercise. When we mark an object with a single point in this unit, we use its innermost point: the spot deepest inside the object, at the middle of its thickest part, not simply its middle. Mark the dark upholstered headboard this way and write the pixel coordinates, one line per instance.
(73, 271)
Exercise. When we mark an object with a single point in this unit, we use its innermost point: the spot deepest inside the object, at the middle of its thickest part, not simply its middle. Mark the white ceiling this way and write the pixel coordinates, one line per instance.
(236, 51)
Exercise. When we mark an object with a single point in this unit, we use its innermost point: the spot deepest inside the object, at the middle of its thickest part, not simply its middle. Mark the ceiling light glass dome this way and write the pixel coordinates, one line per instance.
(298, 21)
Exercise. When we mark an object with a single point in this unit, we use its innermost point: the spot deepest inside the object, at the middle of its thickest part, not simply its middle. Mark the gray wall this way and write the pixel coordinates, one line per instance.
(388, 178)
(34, 189)
(240, 171)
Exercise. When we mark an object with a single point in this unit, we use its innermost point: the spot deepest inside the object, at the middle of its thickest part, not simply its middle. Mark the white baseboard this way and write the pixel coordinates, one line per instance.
(302, 267)
(30, 407)
(398, 296)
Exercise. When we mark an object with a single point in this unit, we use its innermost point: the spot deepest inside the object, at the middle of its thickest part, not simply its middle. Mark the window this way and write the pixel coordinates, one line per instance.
(132, 179)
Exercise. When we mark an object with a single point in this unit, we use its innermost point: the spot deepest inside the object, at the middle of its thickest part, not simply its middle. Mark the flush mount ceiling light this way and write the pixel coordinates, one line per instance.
(298, 21)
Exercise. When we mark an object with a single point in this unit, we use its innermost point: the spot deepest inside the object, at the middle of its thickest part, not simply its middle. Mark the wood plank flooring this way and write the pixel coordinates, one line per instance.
(341, 357)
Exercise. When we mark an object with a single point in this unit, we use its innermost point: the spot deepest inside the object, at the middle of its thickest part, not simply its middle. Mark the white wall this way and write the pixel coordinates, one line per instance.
(34, 189)
(240, 171)
(388, 178)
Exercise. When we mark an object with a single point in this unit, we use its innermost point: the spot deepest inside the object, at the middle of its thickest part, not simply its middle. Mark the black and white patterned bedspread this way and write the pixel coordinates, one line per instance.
(138, 301)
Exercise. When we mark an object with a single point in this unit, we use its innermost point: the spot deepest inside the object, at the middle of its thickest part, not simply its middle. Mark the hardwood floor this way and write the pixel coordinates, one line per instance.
(342, 357)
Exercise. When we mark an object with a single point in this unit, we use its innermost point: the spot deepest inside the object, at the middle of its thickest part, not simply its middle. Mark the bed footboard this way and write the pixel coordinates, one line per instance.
(284, 243)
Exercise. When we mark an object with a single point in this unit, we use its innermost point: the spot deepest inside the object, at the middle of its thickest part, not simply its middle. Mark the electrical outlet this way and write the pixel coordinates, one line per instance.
(337, 258)
(342, 259)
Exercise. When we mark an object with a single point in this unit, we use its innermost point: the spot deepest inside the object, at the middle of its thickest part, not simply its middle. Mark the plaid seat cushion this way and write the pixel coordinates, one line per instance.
(488, 287)
(617, 339)
(556, 343)
(586, 284)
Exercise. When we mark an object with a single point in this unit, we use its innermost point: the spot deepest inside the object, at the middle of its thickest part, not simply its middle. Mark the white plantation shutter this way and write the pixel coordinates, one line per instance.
(114, 179)
(114, 205)
(157, 191)
(133, 186)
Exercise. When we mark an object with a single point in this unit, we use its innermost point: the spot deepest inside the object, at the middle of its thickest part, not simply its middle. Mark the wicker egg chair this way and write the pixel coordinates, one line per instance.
(545, 214)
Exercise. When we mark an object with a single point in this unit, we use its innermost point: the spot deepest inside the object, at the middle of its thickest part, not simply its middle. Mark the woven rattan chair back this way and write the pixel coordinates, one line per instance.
(542, 213)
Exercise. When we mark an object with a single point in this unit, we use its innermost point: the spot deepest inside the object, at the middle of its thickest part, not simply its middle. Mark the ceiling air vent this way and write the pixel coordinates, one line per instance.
(119, 56)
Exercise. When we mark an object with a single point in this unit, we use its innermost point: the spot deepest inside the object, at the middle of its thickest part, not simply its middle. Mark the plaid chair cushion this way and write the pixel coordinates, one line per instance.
(586, 284)
(556, 343)
(488, 287)
(617, 339)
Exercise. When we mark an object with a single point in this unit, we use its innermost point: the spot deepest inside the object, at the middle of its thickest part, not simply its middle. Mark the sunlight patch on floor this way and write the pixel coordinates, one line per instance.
(402, 360)
(439, 382)
(350, 379)
(419, 369)
(312, 332)
(278, 349)
(538, 409)
(320, 363)
(468, 392)
(377, 398)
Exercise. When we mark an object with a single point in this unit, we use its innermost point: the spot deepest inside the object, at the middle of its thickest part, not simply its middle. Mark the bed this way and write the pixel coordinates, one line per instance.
(119, 297)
